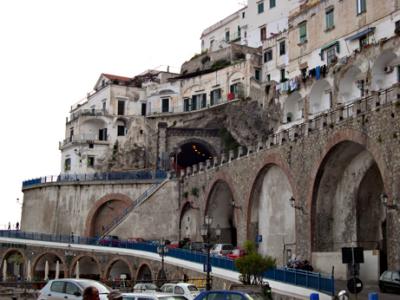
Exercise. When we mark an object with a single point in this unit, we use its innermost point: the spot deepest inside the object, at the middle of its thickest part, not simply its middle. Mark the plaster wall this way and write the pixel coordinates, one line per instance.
(323, 261)
(64, 208)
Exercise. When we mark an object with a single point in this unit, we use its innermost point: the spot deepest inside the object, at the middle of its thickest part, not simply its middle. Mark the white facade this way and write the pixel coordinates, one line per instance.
(257, 21)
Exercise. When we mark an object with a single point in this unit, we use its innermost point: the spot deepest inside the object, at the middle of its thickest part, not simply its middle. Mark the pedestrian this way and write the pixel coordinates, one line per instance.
(72, 236)
(17, 226)
(91, 293)
(114, 295)
(9, 225)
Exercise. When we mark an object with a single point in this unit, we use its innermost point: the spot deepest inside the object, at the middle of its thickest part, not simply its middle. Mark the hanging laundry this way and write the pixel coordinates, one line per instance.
(292, 85)
(324, 70)
(311, 73)
(318, 72)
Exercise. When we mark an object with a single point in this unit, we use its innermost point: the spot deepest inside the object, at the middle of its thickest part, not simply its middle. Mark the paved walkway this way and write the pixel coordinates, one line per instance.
(368, 288)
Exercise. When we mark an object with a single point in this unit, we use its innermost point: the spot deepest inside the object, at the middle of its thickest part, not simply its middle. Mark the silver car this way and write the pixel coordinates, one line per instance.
(70, 289)
(153, 296)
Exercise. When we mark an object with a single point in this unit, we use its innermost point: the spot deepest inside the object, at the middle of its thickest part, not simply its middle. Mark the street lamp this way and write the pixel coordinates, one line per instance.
(206, 233)
(162, 250)
(385, 202)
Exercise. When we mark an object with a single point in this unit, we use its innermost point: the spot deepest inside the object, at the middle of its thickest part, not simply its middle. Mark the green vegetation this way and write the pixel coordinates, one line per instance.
(228, 142)
(219, 64)
(195, 192)
(253, 265)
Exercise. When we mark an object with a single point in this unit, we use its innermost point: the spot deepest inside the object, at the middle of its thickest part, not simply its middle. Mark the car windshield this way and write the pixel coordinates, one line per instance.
(102, 288)
(172, 298)
(192, 288)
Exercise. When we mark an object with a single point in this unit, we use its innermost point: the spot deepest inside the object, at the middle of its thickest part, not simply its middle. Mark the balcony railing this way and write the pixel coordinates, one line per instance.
(312, 280)
(87, 112)
(82, 138)
(157, 176)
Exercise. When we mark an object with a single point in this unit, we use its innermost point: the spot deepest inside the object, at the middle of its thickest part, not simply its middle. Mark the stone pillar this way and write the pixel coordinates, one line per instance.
(223, 158)
(208, 163)
(182, 171)
(188, 171)
(231, 155)
(162, 142)
(215, 161)
(195, 168)
(201, 166)
(240, 151)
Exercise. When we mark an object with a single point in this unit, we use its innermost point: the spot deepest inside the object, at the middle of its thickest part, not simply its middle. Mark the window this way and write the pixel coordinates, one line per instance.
(71, 288)
(398, 73)
(215, 96)
(331, 55)
(227, 36)
(104, 105)
(179, 290)
(186, 104)
(90, 161)
(283, 78)
(396, 276)
(91, 146)
(267, 55)
(263, 33)
(67, 166)
(243, 15)
(121, 130)
(203, 98)
(329, 19)
(387, 275)
(143, 113)
(71, 133)
(165, 105)
(303, 32)
(272, 3)
(211, 44)
(397, 27)
(103, 134)
(194, 103)
(257, 74)
(268, 77)
(57, 286)
(282, 48)
(260, 7)
(361, 6)
(121, 107)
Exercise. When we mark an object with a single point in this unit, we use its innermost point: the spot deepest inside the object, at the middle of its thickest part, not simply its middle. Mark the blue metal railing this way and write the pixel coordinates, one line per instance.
(312, 280)
(131, 175)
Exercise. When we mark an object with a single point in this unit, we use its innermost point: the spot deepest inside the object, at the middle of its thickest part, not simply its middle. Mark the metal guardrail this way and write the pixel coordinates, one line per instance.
(312, 280)
(104, 176)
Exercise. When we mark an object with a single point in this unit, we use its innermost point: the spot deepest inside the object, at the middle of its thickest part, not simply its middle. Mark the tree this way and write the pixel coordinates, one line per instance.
(253, 265)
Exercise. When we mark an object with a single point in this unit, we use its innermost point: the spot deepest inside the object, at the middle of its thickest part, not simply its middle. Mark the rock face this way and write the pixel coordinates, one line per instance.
(245, 121)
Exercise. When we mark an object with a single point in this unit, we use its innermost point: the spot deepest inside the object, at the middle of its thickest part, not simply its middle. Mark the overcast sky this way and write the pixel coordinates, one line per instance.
(51, 54)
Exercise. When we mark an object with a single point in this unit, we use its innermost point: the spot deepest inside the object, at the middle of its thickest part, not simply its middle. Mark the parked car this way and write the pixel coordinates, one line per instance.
(236, 253)
(181, 288)
(110, 240)
(155, 296)
(70, 288)
(145, 287)
(237, 295)
(221, 249)
(390, 281)
(196, 246)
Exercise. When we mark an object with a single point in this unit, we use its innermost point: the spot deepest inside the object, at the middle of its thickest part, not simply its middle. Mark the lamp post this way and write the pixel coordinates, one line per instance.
(206, 233)
(162, 250)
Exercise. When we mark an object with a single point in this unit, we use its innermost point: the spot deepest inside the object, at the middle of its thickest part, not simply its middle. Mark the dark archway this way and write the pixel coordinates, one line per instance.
(346, 207)
(15, 261)
(104, 211)
(144, 274)
(188, 222)
(89, 268)
(51, 260)
(118, 269)
(220, 208)
(192, 153)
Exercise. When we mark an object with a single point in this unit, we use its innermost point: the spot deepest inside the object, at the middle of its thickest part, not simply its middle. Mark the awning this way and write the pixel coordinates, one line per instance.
(360, 34)
(329, 45)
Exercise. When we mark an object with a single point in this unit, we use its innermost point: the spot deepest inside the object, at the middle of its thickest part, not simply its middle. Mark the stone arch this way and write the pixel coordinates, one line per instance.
(39, 272)
(188, 91)
(188, 220)
(268, 208)
(383, 74)
(293, 107)
(85, 270)
(345, 196)
(320, 96)
(144, 273)
(14, 269)
(93, 228)
(91, 126)
(121, 125)
(235, 81)
(219, 199)
(349, 86)
(123, 266)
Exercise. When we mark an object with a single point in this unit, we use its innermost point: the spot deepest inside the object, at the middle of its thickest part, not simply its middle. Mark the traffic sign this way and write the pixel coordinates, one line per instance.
(205, 267)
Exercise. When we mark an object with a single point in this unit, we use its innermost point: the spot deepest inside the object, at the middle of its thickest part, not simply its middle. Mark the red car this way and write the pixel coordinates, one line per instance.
(236, 253)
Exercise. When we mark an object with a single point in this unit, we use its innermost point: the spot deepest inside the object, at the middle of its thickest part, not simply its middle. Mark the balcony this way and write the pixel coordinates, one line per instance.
(82, 139)
(87, 112)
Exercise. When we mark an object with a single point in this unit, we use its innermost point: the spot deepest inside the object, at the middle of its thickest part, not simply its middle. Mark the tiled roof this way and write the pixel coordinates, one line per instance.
(116, 77)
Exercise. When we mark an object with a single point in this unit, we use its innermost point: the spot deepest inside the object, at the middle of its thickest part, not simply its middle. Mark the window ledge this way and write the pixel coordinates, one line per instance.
(330, 28)
(302, 43)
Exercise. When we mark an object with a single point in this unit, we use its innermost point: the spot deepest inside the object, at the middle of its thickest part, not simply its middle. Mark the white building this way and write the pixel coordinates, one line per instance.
(250, 26)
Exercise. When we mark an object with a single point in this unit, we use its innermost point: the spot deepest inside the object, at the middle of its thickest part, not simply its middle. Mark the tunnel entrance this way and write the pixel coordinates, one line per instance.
(192, 153)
